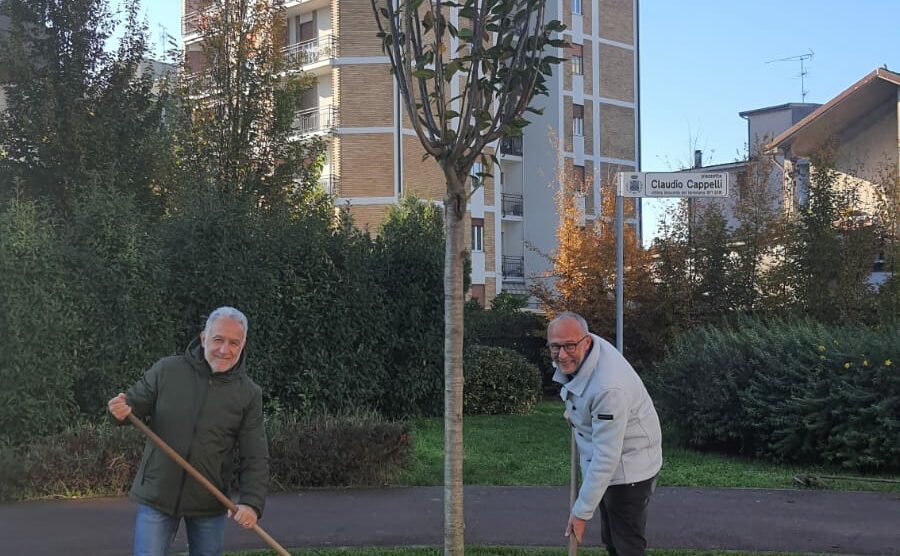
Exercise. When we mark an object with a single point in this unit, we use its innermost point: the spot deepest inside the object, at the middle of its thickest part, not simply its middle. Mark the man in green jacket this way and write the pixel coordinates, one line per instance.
(204, 406)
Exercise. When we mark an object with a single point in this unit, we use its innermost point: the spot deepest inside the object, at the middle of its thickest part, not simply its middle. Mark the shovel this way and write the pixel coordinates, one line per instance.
(203, 481)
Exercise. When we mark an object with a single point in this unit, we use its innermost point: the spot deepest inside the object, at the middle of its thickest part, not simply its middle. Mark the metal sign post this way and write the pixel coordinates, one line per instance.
(656, 185)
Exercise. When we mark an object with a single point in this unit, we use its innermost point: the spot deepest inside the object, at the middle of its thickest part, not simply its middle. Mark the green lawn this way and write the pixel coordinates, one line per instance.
(493, 551)
(534, 450)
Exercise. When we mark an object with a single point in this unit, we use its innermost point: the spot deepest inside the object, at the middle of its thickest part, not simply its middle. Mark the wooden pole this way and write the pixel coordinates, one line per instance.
(573, 489)
(176, 457)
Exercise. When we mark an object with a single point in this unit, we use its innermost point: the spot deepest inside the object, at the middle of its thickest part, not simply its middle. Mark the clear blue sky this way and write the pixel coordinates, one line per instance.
(703, 61)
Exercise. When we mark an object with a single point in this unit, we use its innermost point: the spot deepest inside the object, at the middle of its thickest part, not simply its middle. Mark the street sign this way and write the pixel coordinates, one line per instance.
(672, 184)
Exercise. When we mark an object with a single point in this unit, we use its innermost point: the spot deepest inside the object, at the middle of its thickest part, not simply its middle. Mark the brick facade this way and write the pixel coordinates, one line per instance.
(617, 71)
(617, 20)
(617, 132)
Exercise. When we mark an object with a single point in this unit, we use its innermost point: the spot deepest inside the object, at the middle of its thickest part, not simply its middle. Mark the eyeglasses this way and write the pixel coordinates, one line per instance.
(568, 346)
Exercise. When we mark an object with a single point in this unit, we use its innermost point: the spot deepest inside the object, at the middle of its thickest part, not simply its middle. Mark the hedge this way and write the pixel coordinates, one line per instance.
(791, 389)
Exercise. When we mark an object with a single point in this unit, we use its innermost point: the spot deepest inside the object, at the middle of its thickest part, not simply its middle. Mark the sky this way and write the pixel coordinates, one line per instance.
(703, 61)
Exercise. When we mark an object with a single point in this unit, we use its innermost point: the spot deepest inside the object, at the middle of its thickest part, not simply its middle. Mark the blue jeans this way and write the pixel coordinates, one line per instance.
(155, 531)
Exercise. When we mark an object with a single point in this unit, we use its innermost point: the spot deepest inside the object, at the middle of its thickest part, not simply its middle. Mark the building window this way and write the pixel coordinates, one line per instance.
(577, 119)
(478, 236)
(579, 178)
(576, 7)
(577, 59)
(305, 27)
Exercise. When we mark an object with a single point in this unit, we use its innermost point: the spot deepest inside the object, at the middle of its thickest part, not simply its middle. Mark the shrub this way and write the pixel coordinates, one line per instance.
(116, 279)
(786, 389)
(499, 381)
(506, 325)
(40, 330)
(101, 460)
(307, 286)
(359, 449)
(411, 274)
(96, 460)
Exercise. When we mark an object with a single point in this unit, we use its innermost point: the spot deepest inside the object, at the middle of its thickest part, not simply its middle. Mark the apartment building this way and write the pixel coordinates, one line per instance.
(761, 168)
(589, 127)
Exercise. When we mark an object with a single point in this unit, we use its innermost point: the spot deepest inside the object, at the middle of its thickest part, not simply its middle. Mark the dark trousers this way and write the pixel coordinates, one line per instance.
(623, 515)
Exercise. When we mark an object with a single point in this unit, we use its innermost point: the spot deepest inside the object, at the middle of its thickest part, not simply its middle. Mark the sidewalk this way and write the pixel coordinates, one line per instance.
(731, 519)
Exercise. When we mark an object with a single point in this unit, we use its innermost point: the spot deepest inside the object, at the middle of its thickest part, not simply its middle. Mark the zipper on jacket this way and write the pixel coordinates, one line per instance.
(187, 456)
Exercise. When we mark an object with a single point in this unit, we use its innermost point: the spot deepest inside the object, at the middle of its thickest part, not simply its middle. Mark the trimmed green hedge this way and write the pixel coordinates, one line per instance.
(791, 390)
(499, 381)
(360, 449)
(506, 325)
(339, 321)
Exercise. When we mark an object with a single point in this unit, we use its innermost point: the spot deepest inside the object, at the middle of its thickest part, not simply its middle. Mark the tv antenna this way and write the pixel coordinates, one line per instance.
(802, 58)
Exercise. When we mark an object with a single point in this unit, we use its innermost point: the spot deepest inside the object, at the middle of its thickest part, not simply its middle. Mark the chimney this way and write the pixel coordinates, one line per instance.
(698, 158)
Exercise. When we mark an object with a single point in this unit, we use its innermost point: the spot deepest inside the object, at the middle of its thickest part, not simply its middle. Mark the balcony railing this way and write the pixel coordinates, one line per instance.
(191, 22)
(513, 267)
(511, 204)
(309, 52)
(330, 184)
(314, 120)
(511, 146)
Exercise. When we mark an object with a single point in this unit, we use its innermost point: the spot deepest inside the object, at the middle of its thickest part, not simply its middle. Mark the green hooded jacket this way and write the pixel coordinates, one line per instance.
(203, 416)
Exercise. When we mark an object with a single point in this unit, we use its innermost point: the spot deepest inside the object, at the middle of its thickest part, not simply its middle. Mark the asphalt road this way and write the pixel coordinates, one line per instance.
(731, 519)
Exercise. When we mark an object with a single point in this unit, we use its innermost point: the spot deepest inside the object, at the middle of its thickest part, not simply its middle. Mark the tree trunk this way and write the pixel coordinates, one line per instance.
(454, 220)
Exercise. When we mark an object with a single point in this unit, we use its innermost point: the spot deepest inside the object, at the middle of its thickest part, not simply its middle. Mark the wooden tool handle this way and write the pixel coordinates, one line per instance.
(176, 457)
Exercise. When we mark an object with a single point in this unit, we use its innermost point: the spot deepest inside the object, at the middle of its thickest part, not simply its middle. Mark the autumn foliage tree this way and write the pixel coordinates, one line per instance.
(583, 273)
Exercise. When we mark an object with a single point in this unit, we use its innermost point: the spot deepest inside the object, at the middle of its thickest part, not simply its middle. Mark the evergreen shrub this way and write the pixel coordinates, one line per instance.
(82, 460)
(506, 325)
(40, 329)
(499, 381)
(357, 449)
(307, 285)
(410, 251)
(794, 390)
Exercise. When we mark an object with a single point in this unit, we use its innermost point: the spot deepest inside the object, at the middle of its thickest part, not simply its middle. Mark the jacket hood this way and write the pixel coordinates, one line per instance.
(194, 355)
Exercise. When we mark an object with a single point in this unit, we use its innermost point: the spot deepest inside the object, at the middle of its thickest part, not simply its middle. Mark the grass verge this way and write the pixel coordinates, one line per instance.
(533, 449)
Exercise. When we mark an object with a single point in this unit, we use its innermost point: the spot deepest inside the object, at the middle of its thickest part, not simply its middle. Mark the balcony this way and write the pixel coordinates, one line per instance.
(511, 204)
(513, 267)
(310, 52)
(315, 120)
(511, 146)
(330, 184)
(194, 20)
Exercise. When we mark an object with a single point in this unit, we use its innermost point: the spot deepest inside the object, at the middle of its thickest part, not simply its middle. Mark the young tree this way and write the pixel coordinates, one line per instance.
(712, 265)
(498, 57)
(833, 247)
(887, 191)
(754, 240)
(238, 105)
(672, 271)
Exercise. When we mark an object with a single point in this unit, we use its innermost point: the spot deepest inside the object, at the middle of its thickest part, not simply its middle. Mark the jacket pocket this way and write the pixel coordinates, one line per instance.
(148, 467)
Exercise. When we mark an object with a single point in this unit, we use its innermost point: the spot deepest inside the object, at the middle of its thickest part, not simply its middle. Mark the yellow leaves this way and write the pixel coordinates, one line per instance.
(888, 362)
(821, 348)
(847, 365)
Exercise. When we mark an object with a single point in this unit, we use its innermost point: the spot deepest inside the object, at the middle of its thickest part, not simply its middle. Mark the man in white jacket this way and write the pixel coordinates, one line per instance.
(616, 430)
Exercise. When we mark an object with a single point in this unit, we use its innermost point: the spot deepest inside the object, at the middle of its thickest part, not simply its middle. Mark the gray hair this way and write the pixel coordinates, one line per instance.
(227, 312)
(570, 315)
